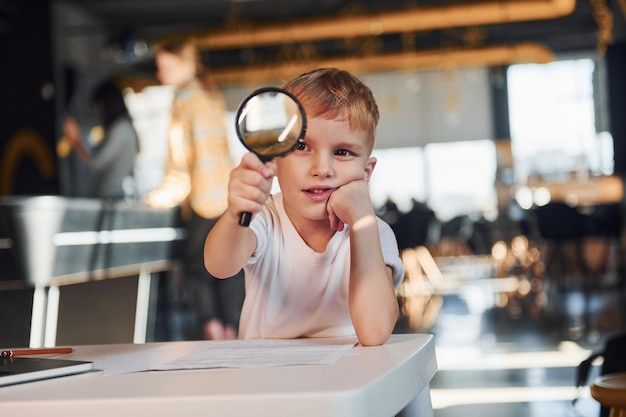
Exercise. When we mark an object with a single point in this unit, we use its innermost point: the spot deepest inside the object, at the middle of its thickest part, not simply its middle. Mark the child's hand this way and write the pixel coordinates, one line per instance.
(250, 184)
(348, 204)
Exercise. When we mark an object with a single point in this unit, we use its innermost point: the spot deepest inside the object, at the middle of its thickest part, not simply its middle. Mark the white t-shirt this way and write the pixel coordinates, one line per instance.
(293, 291)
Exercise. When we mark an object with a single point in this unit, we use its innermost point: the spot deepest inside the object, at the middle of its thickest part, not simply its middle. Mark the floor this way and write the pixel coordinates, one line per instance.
(520, 358)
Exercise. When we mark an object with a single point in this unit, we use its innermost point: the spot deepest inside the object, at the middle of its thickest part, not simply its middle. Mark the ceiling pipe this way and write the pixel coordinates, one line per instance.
(399, 21)
(414, 61)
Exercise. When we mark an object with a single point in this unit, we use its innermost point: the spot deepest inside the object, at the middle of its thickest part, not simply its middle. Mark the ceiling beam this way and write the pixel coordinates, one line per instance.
(407, 61)
(413, 19)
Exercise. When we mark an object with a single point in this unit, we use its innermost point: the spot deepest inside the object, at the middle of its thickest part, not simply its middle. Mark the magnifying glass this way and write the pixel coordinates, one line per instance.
(269, 123)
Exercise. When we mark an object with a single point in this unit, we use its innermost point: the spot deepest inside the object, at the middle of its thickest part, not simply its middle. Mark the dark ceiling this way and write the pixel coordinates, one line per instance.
(132, 20)
(154, 18)
(591, 24)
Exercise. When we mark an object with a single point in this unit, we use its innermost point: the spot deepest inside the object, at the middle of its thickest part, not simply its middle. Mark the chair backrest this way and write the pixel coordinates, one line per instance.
(614, 355)
(560, 221)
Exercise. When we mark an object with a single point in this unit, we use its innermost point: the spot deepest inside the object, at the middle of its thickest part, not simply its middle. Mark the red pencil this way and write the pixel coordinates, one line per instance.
(43, 351)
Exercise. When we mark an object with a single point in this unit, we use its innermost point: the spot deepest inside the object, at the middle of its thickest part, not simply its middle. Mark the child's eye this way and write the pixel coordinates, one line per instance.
(300, 145)
(342, 152)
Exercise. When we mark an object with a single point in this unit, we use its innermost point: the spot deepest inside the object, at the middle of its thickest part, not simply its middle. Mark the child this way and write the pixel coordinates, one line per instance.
(318, 262)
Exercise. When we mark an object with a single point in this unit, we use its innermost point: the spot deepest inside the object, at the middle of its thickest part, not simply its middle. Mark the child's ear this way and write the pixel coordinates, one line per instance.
(369, 168)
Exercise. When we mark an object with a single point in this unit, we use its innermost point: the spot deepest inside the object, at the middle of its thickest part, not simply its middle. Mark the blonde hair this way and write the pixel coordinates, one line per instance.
(330, 93)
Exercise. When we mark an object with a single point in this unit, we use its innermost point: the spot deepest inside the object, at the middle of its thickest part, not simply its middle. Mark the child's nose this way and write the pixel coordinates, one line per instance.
(321, 166)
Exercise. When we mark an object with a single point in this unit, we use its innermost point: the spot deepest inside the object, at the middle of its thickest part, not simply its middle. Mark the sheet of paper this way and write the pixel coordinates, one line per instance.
(144, 359)
(262, 353)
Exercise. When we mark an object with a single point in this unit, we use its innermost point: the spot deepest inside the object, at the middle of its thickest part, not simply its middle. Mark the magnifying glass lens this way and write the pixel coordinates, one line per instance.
(269, 123)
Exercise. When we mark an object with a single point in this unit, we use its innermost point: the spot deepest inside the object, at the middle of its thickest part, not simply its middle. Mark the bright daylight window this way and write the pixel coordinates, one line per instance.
(553, 133)
(461, 178)
(454, 178)
(398, 176)
(553, 137)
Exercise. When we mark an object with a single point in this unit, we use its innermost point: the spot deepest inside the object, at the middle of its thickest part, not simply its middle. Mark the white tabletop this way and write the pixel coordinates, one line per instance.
(368, 381)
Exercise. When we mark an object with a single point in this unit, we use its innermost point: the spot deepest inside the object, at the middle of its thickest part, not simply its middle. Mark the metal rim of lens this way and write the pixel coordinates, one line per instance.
(256, 93)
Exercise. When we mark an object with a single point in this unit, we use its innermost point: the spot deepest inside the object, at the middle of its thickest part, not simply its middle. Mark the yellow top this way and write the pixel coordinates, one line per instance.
(199, 162)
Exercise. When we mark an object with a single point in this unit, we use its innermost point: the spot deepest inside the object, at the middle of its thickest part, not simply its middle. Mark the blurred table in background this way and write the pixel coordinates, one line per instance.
(48, 243)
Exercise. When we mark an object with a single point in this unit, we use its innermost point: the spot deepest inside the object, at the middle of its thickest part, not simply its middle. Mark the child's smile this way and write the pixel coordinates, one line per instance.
(319, 194)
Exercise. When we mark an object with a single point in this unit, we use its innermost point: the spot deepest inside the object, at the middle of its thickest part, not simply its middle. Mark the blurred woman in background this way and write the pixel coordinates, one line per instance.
(196, 177)
(112, 159)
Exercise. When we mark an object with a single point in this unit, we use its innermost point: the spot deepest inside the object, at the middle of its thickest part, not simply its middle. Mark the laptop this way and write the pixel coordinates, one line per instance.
(18, 369)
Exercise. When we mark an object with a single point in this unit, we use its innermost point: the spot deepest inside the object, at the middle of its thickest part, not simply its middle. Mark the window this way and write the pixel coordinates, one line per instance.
(461, 178)
(399, 176)
(452, 178)
(552, 121)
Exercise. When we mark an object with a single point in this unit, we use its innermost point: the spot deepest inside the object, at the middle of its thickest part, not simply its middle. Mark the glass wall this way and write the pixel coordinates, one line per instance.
(555, 136)
(553, 126)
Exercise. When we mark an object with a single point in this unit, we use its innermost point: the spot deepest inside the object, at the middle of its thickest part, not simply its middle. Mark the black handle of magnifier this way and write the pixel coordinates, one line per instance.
(244, 218)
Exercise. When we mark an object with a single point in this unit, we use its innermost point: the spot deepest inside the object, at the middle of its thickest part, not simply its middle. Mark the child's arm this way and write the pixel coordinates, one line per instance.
(228, 244)
(372, 298)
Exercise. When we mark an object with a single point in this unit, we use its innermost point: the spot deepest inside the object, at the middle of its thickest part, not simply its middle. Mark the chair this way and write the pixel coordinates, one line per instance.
(420, 292)
(563, 228)
(605, 232)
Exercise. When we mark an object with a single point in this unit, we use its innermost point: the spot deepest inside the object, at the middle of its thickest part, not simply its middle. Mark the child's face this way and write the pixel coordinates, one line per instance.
(331, 155)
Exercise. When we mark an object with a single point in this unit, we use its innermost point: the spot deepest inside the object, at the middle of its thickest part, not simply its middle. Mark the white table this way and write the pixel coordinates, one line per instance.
(369, 381)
